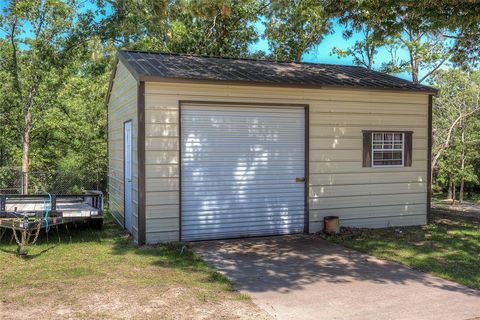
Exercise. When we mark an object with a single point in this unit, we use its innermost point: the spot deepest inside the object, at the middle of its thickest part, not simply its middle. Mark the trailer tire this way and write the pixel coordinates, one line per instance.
(96, 224)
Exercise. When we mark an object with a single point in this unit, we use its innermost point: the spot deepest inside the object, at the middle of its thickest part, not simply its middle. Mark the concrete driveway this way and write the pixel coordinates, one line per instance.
(304, 277)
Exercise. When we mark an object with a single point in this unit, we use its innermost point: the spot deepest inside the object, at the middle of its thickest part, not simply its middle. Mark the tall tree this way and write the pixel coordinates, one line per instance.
(221, 28)
(42, 37)
(458, 21)
(432, 33)
(427, 47)
(454, 109)
(295, 26)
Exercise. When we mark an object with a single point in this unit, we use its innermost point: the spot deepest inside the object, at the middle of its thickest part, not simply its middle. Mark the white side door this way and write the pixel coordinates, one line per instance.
(127, 140)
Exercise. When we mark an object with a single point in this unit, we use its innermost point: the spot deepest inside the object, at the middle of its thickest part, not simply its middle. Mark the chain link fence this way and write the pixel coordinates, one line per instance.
(14, 181)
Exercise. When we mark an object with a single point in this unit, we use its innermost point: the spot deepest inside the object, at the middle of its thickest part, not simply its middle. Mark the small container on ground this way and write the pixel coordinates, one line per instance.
(331, 225)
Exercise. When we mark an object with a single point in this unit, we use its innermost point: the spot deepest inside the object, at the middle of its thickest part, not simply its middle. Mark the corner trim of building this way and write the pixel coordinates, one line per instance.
(307, 169)
(429, 155)
(141, 163)
(179, 170)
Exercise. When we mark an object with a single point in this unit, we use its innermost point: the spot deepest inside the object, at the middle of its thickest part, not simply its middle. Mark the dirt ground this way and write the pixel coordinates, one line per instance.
(117, 300)
(79, 273)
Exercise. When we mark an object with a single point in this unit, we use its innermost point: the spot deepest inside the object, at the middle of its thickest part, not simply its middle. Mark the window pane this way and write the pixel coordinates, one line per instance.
(387, 149)
(397, 155)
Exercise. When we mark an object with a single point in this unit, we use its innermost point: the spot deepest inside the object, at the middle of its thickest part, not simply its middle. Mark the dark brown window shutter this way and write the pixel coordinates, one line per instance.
(367, 148)
(408, 150)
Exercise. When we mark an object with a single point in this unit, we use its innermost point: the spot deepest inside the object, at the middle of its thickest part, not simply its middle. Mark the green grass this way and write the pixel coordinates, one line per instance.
(448, 247)
(77, 261)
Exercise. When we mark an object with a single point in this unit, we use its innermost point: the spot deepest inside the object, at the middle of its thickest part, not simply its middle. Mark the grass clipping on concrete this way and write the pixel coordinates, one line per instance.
(448, 246)
(89, 274)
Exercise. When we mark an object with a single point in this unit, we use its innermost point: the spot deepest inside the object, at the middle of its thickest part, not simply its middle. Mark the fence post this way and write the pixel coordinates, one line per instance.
(23, 182)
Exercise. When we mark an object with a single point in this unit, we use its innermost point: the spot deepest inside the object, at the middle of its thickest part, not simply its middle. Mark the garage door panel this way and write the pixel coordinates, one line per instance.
(247, 211)
(247, 220)
(206, 204)
(245, 227)
(245, 193)
(233, 190)
(224, 232)
(227, 171)
(243, 182)
(239, 166)
(258, 176)
(242, 185)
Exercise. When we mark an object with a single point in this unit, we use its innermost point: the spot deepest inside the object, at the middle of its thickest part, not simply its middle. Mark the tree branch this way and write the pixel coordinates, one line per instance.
(428, 74)
(446, 143)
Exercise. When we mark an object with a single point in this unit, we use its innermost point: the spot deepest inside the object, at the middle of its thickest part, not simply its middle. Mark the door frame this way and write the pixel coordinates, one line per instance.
(131, 171)
(306, 108)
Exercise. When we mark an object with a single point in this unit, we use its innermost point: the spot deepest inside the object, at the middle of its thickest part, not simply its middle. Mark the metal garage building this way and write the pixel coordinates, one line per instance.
(209, 148)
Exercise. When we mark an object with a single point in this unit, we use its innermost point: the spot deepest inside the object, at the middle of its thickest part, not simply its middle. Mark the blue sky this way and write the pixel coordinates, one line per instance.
(320, 53)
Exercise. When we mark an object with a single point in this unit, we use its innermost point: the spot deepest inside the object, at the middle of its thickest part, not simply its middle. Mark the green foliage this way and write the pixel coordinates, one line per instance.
(294, 27)
(456, 110)
(366, 18)
(54, 87)
(219, 28)
(432, 32)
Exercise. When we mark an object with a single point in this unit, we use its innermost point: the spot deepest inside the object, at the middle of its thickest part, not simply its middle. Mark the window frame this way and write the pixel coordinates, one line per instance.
(372, 150)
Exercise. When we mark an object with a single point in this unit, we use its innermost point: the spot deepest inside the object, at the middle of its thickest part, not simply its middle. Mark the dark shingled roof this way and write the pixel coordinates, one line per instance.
(152, 66)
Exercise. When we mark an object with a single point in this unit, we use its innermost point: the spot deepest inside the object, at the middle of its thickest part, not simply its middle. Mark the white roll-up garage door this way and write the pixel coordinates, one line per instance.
(242, 171)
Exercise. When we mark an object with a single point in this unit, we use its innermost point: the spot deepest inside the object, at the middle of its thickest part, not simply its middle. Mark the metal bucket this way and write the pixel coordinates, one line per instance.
(331, 225)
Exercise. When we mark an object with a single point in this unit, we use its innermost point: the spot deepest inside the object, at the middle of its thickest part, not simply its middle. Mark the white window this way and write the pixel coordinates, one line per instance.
(388, 149)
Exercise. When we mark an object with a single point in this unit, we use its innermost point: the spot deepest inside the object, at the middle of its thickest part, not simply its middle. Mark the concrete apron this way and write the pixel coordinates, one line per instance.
(305, 277)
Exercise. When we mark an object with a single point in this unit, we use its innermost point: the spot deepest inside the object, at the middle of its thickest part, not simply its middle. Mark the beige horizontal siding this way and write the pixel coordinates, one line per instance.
(379, 221)
(122, 106)
(352, 167)
(161, 236)
(162, 169)
(368, 197)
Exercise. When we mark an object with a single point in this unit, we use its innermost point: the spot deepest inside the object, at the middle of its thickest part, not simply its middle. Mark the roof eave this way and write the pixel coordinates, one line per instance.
(156, 78)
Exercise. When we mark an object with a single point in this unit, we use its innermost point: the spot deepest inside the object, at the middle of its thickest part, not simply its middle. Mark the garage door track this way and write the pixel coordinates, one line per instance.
(305, 277)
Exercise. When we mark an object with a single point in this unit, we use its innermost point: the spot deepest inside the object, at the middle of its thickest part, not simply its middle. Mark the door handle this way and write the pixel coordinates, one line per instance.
(300, 179)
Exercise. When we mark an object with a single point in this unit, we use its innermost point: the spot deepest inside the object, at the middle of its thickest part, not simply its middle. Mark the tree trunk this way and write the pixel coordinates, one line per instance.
(415, 73)
(462, 180)
(450, 187)
(413, 52)
(453, 193)
(26, 150)
(27, 129)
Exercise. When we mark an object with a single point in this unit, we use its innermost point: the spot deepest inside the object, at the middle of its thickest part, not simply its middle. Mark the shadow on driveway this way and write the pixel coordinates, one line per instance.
(306, 277)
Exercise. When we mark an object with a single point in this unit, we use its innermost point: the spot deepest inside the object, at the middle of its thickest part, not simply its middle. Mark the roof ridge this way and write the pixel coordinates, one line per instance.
(241, 58)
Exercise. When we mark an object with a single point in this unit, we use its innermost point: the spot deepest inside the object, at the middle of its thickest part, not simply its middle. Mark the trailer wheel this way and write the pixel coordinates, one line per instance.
(95, 224)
